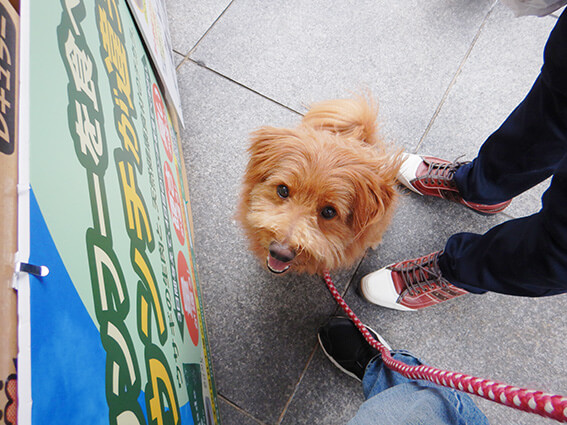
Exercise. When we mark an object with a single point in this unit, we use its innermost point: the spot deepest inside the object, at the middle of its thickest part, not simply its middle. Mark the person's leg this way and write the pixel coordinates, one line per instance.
(526, 257)
(527, 147)
(523, 152)
(393, 399)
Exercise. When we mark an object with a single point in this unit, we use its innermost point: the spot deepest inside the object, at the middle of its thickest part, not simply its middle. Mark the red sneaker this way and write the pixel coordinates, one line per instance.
(432, 176)
(409, 285)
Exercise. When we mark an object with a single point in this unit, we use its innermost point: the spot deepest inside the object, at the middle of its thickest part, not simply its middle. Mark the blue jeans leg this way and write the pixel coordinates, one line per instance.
(396, 400)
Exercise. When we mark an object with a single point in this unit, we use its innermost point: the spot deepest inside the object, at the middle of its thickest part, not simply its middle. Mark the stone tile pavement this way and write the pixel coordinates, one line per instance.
(446, 73)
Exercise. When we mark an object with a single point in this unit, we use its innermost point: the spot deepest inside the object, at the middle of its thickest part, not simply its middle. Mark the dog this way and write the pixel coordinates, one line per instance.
(316, 197)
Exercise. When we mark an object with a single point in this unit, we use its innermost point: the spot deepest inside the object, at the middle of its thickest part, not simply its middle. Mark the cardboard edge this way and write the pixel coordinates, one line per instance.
(21, 280)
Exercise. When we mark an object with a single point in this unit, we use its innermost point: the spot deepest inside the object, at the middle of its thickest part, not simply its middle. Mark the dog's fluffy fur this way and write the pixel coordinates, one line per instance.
(315, 197)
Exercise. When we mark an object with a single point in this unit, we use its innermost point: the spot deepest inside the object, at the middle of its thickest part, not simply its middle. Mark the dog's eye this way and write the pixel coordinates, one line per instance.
(283, 191)
(328, 213)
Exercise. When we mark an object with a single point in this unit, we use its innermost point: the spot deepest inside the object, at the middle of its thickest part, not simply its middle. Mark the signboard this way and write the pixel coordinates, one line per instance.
(151, 18)
(114, 332)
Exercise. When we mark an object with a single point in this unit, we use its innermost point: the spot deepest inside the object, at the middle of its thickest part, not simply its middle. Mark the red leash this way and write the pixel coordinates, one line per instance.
(547, 405)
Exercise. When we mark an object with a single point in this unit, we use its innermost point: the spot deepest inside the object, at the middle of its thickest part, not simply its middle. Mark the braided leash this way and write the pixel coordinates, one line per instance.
(543, 404)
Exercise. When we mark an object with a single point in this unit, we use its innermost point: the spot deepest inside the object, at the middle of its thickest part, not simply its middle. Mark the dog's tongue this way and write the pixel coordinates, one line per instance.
(276, 266)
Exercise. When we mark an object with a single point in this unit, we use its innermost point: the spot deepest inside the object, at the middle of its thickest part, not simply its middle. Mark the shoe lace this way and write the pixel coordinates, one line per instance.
(422, 274)
(441, 173)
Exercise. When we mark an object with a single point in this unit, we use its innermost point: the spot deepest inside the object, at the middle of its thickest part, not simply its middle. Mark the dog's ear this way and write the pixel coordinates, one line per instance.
(353, 118)
(375, 193)
(268, 146)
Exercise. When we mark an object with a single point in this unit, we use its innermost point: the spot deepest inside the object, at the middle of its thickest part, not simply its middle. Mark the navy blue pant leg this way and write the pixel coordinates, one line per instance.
(526, 149)
(527, 256)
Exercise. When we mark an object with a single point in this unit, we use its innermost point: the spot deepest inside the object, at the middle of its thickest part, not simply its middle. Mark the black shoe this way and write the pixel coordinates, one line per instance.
(345, 346)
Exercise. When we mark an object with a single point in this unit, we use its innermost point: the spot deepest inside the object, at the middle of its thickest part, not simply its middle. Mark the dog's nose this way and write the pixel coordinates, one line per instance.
(281, 252)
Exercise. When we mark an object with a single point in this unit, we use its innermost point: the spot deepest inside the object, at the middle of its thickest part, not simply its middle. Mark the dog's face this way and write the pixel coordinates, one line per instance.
(313, 200)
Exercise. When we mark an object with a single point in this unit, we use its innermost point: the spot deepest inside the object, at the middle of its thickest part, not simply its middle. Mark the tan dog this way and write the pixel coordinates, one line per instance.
(317, 196)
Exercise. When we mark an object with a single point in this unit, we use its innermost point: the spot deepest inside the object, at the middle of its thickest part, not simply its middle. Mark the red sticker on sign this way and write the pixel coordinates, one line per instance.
(174, 202)
(188, 298)
(163, 126)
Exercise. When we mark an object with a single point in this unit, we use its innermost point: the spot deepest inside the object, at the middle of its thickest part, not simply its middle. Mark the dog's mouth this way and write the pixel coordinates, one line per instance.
(280, 258)
(276, 266)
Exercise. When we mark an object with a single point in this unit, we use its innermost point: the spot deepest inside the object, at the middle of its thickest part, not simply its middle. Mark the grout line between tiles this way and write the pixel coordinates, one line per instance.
(296, 387)
(239, 409)
(202, 65)
(310, 359)
(180, 54)
(454, 79)
(186, 56)
(351, 281)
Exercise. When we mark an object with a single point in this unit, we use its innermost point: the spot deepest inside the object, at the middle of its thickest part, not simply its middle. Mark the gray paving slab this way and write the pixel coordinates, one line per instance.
(190, 20)
(499, 72)
(449, 70)
(260, 327)
(231, 414)
(177, 58)
(420, 226)
(509, 339)
(326, 396)
(298, 52)
(513, 340)
(506, 332)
